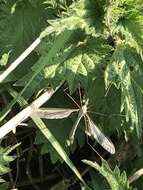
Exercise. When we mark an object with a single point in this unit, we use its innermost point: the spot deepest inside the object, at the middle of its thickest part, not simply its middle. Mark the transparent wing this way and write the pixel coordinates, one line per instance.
(99, 136)
(54, 113)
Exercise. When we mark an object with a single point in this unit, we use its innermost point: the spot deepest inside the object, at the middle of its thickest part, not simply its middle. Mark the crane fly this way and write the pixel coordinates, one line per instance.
(58, 113)
(93, 130)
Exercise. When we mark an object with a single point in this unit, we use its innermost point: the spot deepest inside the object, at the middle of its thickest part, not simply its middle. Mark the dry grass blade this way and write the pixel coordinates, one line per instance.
(25, 113)
(19, 59)
(136, 175)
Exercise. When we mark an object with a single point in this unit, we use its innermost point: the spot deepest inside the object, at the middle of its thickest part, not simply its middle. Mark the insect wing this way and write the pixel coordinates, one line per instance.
(100, 137)
(54, 113)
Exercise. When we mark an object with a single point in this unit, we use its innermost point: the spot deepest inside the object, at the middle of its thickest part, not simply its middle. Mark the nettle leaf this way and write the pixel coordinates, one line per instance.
(54, 63)
(78, 70)
(58, 44)
(116, 179)
(38, 83)
(20, 24)
(118, 73)
(134, 32)
(84, 62)
(84, 14)
(118, 12)
(97, 181)
(79, 63)
(61, 68)
(54, 72)
(125, 18)
(5, 159)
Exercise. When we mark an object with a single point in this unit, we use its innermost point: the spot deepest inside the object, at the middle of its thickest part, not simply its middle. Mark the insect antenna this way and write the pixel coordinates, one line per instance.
(72, 99)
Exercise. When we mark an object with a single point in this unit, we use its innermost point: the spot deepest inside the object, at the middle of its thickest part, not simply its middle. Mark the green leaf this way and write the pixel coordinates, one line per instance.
(84, 14)
(4, 59)
(118, 73)
(116, 180)
(85, 62)
(4, 186)
(121, 11)
(78, 63)
(58, 44)
(133, 27)
(20, 24)
(5, 159)
(97, 181)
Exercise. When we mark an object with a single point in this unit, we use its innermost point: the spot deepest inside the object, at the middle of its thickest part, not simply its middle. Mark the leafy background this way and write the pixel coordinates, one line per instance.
(96, 45)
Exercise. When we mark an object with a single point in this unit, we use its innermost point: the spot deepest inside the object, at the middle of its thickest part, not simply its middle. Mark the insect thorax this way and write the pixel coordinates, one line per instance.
(84, 109)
